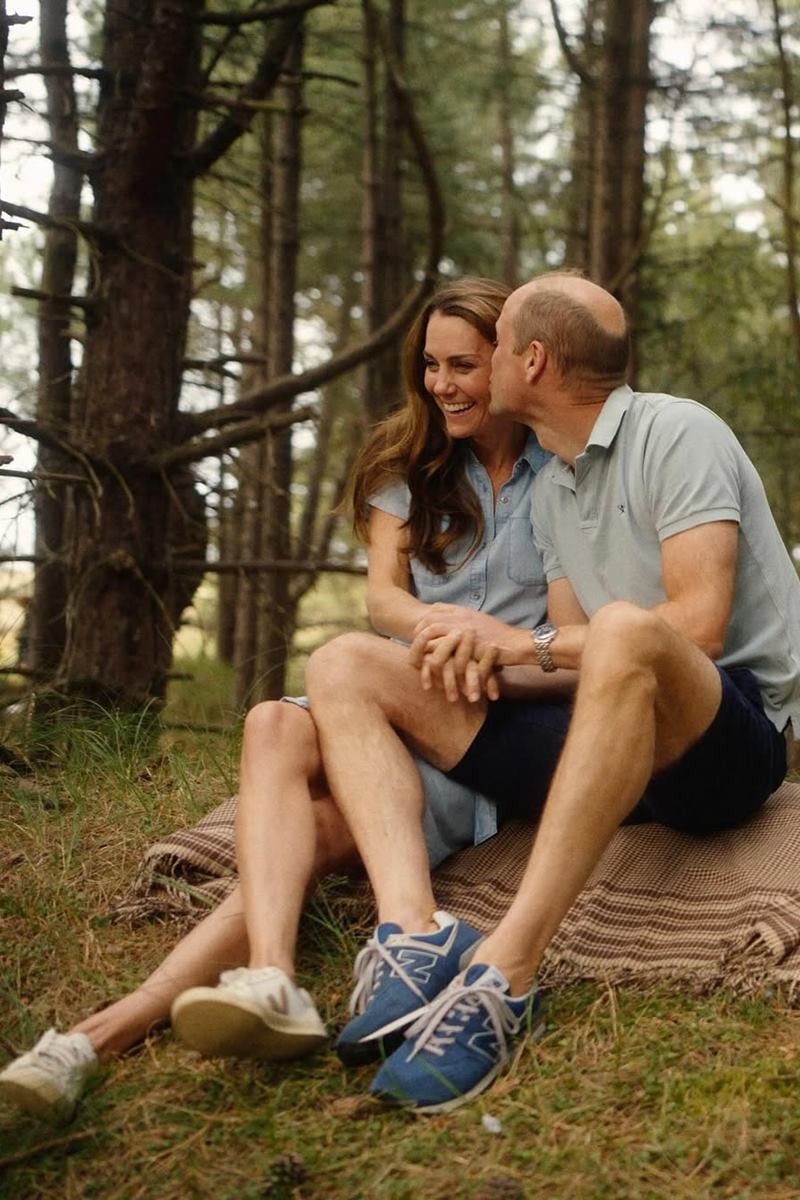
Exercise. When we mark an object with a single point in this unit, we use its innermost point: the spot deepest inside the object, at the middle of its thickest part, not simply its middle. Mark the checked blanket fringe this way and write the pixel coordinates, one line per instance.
(722, 910)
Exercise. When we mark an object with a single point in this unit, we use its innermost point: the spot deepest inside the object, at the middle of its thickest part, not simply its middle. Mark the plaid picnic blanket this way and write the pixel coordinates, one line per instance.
(718, 910)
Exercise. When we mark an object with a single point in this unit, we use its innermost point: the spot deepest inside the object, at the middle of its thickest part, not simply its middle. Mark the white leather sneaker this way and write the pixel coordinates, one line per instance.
(49, 1079)
(257, 1014)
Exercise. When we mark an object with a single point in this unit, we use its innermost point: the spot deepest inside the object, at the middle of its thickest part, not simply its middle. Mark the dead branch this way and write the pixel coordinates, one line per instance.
(56, 69)
(266, 565)
(92, 232)
(234, 20)
(236, 435)
(238, 121)
(83, 302)
(41, 476)
(573, 61)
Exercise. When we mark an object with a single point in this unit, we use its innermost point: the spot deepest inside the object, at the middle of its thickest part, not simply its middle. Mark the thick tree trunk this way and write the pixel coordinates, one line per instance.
(119, 627)
(48, 612)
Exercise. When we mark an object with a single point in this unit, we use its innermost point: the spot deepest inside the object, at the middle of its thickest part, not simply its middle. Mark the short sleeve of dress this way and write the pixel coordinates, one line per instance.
(691, 469)
(395, 499)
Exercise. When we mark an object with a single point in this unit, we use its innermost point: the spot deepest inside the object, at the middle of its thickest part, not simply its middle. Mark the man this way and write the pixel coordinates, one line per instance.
(670, 592)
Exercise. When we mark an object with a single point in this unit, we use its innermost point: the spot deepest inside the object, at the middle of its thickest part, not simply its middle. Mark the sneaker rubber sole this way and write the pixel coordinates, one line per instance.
(219, 1027)
(35, 1095)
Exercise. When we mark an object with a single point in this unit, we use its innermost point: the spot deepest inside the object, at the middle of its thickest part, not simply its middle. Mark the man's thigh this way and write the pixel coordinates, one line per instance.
(725, 777)
(514, 755)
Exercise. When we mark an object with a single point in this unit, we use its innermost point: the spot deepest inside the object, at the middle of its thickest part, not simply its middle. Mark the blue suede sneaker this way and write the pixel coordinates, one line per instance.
(396, 975)
(459, 1045)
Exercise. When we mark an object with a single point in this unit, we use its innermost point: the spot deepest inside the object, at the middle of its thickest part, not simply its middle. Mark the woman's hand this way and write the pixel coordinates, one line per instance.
(452, 617)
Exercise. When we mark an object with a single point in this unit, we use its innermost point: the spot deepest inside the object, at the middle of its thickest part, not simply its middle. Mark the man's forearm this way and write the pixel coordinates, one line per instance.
(532, 683)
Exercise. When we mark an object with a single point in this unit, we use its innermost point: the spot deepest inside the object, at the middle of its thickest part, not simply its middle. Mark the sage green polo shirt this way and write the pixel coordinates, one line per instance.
(654, 466)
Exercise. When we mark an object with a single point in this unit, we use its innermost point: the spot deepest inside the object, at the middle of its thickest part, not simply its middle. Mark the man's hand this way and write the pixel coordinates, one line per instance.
(465, 663)
(452, 662)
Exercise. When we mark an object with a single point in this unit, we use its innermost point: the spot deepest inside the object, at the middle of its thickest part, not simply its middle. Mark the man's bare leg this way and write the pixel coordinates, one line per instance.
(645, 695)
(362, 691)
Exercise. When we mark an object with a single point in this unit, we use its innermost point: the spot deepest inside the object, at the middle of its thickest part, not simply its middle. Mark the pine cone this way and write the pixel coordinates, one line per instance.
(284, 1174)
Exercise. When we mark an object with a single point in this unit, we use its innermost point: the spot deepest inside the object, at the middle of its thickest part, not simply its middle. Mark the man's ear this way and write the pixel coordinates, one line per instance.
(534, 360)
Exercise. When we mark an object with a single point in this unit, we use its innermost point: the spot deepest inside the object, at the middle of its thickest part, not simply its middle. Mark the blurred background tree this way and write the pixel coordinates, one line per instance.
(243, 193)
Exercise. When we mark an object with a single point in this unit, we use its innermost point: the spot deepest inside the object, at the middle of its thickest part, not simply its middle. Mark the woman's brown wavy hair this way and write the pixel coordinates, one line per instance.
(412, 445)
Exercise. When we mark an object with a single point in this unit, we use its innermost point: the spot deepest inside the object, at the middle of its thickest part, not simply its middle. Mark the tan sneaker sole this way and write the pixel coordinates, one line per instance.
(221, 1027)
(35, 1095)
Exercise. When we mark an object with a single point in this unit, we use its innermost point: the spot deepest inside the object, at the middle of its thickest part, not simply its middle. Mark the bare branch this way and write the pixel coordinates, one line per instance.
(251, 566)
(91, 232)
(37, 432)
(41, 476)
(56, 69)
(234, 20)
(235, 435)
(82, 302)
(573, 61)
(239, 120)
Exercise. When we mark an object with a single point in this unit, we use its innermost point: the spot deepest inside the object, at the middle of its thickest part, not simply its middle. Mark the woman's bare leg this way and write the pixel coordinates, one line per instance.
(287, 832)
(288, 837)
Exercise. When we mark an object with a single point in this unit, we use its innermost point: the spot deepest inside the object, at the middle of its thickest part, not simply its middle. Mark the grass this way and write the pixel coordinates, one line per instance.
(630, 1095)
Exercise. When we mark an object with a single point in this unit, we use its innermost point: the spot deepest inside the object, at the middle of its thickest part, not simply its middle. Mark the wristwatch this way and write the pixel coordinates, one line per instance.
(542, 637)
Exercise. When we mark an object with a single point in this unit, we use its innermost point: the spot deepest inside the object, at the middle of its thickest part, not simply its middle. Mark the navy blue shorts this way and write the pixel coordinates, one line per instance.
(720, 782)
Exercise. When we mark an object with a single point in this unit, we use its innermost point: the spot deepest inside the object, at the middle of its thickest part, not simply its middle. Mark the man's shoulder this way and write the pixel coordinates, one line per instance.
(660, 415)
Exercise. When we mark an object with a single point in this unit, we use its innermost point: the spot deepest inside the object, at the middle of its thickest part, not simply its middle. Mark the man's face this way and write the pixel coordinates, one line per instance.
(508, 374)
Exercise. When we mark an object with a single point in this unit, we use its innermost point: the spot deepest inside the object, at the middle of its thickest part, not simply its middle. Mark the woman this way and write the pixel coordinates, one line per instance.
(441, 494)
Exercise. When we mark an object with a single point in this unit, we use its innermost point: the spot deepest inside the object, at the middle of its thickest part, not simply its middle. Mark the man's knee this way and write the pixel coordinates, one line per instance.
(346, 662)
(626, 636)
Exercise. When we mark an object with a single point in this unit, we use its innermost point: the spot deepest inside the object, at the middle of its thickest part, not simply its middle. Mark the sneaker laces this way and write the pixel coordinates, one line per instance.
(434, 1034)
(60, 1050)
(368, 969)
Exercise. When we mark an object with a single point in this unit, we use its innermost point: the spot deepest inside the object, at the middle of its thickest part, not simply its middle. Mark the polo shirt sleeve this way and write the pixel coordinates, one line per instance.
(541, 522)
(395, 499)
(691, 469)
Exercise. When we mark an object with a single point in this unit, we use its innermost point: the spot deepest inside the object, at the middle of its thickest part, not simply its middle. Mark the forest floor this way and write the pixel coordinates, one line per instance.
(630, 1094)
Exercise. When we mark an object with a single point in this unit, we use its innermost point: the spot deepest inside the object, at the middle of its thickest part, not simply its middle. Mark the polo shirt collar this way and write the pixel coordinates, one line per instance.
(606, 427)
(533, 453)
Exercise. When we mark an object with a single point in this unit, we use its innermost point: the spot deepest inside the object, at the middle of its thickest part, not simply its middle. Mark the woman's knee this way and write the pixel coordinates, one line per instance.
(276, 724)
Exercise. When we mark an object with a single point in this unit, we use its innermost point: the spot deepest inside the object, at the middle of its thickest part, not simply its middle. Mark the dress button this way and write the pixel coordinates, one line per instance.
(475, 595)
(504, 499)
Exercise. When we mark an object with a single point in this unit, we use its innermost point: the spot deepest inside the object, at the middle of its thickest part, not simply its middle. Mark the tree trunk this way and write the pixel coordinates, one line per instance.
(383, 257)
(276, 623)
(615, 228)
(47, 633)
(119, 628)
(509, 219)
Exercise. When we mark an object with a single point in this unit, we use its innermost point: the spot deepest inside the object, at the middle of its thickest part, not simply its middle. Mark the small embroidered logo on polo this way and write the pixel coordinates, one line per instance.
(621, 508)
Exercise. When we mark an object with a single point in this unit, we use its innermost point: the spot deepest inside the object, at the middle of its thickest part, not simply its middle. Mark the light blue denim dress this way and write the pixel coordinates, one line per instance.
(504, 577)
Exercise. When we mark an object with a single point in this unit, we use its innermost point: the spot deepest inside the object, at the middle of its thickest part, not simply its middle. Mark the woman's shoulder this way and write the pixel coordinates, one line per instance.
(393, 497)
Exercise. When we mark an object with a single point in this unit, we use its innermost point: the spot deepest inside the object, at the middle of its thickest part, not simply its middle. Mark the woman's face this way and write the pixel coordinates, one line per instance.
(458, 362)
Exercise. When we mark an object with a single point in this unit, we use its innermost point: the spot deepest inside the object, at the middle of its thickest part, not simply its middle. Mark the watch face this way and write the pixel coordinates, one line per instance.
(543, 632)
